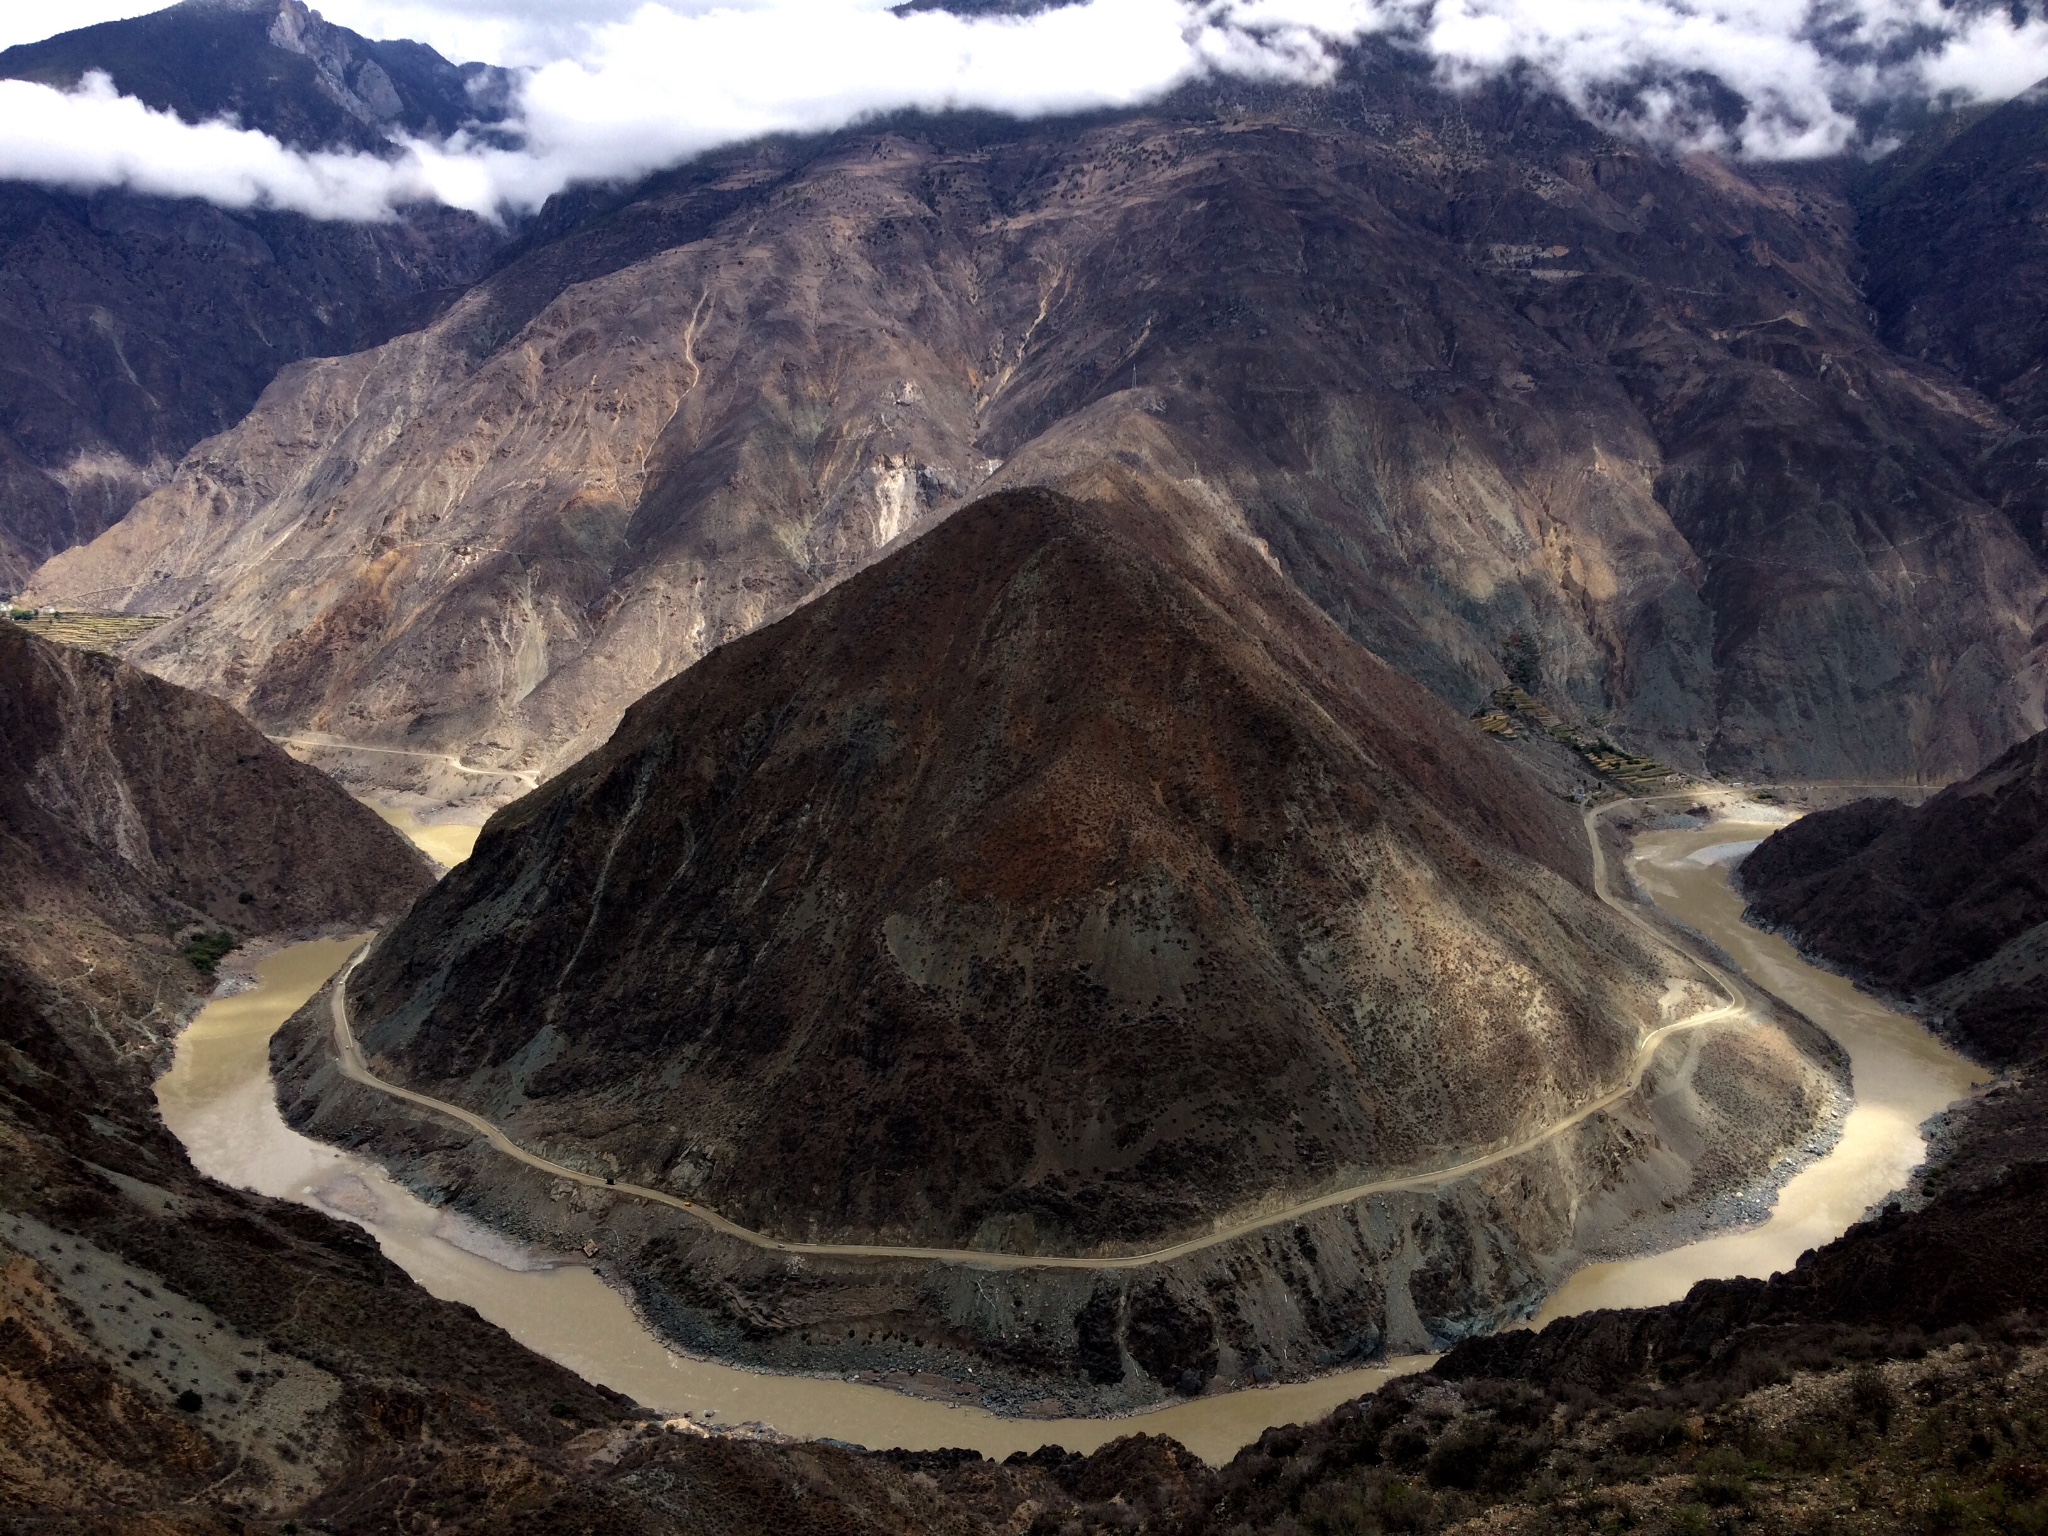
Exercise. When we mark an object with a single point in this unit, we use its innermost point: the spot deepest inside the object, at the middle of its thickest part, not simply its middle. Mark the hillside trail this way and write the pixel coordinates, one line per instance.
(527, 776)
(355, 1067)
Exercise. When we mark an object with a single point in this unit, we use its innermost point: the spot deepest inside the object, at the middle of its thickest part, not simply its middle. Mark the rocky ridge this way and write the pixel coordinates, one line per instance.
(133, 327)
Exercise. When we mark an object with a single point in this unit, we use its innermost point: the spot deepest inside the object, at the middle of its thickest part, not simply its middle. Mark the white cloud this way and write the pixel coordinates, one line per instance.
(92, 137)
(616, 88)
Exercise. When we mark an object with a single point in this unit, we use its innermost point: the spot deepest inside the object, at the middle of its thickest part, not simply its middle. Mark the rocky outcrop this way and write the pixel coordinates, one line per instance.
(1472, 370)
(1946, 902)
(136, 326)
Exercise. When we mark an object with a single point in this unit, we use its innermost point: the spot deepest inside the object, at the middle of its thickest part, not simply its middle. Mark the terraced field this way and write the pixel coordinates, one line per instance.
(1515, 713)
(88, 631)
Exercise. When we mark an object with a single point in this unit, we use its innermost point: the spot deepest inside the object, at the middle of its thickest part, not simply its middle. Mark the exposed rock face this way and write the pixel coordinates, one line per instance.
(1065, 879)
(136, 326)
(1959, 277)
(1946, 902)
(1471, 369)
(150, 805)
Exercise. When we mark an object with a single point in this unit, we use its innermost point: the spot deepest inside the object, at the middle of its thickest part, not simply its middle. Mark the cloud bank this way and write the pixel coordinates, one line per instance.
(610, 94)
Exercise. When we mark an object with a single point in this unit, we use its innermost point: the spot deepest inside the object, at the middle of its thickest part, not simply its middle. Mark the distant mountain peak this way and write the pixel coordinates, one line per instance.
(278, 66)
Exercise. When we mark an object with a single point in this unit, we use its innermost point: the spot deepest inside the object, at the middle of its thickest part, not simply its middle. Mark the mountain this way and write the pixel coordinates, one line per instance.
(1946, 902)
(1962, 201)
(1066, 871)
(1471, 368)
(133, 327)
(144, 807)
(1958, 277)
(1063, 884)
(275, 66)
(134, 811)
(331, 1387)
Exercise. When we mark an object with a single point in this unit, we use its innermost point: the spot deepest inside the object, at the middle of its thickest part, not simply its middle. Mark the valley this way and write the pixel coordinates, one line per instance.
(217, 1096)
(1000, 769)
(1334, 315)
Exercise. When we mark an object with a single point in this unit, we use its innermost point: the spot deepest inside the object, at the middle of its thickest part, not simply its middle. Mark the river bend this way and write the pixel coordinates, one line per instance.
(218, 1099)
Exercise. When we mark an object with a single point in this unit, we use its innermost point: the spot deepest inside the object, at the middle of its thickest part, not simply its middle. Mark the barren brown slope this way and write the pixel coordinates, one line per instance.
(129, 810)
(1064, 879)
(1470, 366)
(151, 805)
(332, 1392)
(1946, 902)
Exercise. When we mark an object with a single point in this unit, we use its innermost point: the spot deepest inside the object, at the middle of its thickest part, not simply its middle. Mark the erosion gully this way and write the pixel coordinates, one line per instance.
(218, 1099)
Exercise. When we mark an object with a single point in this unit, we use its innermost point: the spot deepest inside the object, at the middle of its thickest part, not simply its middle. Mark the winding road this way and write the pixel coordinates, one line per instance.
(349, 1057)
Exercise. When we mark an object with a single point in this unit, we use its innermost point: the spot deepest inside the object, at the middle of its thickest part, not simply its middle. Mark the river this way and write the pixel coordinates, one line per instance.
(217, 1098)
(1902, 1075)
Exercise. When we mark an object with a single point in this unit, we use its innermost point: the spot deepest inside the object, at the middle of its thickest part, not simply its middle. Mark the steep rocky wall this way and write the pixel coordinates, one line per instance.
(1945, 902)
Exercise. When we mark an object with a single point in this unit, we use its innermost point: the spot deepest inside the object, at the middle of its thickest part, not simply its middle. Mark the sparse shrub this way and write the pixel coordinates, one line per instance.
(1812, 1448)
(205, 951)
(1649, 1429)
(1871, 1397)
(1460, 1456)
(1718, 1490)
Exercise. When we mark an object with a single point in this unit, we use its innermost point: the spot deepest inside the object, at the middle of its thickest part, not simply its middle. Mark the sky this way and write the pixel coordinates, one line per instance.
(614, 89)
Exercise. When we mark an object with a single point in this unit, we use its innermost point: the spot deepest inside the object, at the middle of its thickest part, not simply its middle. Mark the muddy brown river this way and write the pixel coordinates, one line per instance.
(217, 1098)
(1901, 1074)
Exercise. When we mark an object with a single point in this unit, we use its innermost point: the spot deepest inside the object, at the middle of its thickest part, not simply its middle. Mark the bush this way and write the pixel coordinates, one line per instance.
(1871, 1397)
(206, 950)
(1649, 1429)
(1522, 660)
(190, 1401)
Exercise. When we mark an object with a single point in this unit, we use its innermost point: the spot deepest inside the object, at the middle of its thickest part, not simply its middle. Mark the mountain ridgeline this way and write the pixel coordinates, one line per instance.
(1472, 368)
(136, 326)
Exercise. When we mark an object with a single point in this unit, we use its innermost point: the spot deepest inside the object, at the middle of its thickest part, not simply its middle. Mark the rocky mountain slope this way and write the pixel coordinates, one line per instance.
(1065, 877)
(133, 811)
(131, 327)
(1946, 902)
(155, 808)
(1065, 883)
(332, 1393)
(273, 65)
(1470, 367)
